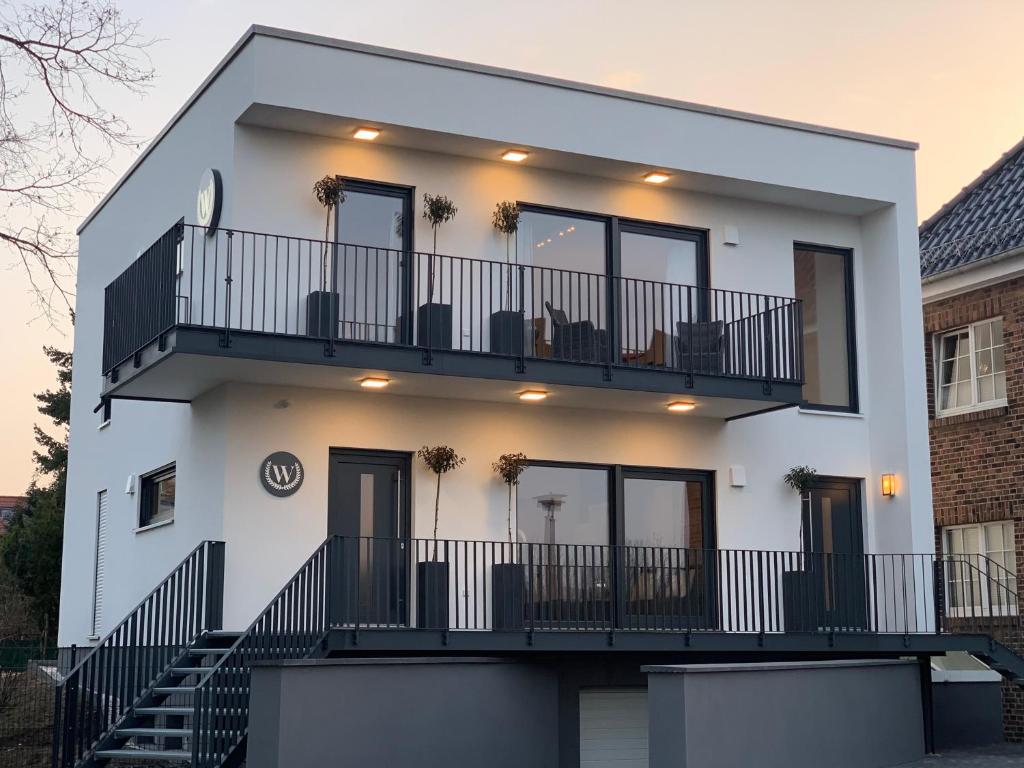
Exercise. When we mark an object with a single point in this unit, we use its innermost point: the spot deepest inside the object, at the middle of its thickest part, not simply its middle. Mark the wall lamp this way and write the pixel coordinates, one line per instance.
(888, 485)
(374, 382)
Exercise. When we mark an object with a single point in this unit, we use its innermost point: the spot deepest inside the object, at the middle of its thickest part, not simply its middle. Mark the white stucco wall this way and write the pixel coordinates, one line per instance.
(220, 438)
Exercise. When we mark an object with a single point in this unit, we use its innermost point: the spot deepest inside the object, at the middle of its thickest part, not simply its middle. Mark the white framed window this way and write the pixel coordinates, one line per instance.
(970, 368)
(980, 567)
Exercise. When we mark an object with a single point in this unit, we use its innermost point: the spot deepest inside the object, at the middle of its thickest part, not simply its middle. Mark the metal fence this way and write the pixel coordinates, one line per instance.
(28, 678)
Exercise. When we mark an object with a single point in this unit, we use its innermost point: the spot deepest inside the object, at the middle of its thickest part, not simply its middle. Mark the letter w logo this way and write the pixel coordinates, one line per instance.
(282, 473)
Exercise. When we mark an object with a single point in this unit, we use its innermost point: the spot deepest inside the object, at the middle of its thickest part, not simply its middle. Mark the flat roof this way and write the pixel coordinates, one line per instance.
(438, 61)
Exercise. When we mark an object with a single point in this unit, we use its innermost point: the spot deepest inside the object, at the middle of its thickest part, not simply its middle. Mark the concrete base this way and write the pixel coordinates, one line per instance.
(857, 714)
(414, 713)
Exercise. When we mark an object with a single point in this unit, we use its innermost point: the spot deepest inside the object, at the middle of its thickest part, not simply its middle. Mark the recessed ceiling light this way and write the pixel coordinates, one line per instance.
(366, 134)
(533, 395)
(681, 406)
(374, 382)
(657, 177)
(515, 155)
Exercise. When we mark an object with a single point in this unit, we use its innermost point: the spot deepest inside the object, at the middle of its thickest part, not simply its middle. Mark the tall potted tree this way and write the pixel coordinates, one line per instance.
(434, 319)
(432, 574)
(508, 580)
(801, 588)
(507, 325)
(322, 305)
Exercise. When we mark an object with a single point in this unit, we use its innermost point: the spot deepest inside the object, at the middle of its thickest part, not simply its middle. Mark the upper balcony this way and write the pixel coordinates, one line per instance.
(203, 307)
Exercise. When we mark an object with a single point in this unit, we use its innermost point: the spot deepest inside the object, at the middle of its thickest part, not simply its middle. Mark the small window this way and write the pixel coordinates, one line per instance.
(980, 569)
(156, 503)
(970, 368)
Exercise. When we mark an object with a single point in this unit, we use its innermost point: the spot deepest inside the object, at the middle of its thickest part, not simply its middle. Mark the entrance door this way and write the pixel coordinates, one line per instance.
(368, 506)
(666, 524)
(834, 537)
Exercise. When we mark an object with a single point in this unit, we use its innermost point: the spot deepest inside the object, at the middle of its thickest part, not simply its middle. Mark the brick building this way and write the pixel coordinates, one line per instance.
(7, 506)
(972, 268)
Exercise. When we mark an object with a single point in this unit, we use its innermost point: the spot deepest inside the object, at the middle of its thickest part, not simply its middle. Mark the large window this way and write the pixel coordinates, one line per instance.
(156, 497)
(563, 505)
(971, 369)
(980, 569)
(823, 278)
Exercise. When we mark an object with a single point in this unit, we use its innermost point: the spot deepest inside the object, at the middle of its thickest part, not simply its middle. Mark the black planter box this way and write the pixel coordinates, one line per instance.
(507, 329)
(434, 326)
(508, 595)
(321, 312)
(803, 601)
(432, 595)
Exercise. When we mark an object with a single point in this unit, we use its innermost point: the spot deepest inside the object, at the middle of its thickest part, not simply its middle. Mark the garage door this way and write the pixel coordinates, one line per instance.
(613, 728)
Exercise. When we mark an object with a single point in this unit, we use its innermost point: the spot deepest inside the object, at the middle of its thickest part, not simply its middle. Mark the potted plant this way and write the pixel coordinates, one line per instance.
(322, 305)
(434, 319)
(507, 326)
(432, 575)
(800, 588)
(508, 579)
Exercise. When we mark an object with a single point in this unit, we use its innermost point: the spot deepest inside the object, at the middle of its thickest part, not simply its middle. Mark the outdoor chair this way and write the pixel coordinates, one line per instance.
(579, 341)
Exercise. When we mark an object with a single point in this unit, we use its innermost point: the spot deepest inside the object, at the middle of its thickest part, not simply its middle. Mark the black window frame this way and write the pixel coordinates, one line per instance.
(148, 497)
(851, 328)
(617, 474)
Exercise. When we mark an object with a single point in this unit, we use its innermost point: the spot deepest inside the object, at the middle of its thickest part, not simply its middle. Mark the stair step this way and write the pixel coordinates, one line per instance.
(186, 690)
(175, 755)
(223, 633)
(169, 711)
(208, 651)
(155, 732)
(186, 671)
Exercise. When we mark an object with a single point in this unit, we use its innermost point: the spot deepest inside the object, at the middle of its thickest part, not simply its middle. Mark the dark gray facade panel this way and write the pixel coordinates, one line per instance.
(967, 714)
(797, 715)
(414, 713)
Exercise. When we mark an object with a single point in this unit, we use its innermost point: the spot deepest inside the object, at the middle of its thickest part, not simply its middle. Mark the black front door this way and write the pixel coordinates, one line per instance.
(368, 506)
(833, 534)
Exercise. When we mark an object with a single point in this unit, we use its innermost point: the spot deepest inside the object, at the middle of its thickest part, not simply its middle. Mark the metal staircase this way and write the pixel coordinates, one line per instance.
(159, 725)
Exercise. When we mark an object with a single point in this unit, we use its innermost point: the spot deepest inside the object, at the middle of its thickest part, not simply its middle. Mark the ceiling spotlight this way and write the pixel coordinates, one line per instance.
(533, 395)
(515, 155)
(657, 177)
(366, 134)
(374, 382)
(681, 406)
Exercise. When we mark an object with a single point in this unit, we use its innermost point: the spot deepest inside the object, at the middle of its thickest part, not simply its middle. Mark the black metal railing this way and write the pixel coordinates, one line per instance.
(102, 687)
(289, 628)
(234, 280)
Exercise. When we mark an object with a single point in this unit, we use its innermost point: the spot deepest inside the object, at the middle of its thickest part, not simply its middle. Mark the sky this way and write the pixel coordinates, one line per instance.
(939, 72)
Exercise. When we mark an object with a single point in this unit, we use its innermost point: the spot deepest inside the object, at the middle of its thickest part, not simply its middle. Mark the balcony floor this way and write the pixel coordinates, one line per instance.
(195, 360)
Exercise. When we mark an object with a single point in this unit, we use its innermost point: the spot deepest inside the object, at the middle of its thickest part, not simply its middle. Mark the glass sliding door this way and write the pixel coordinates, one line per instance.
(662, 270)
(563, 530)
(567, 284)
(374, 233)
(665, 561)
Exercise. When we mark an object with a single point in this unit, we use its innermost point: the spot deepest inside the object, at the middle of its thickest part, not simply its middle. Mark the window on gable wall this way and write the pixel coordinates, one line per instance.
(970, 368)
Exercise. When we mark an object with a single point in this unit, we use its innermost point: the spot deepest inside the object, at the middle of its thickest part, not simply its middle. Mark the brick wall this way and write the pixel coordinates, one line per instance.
(977, 459)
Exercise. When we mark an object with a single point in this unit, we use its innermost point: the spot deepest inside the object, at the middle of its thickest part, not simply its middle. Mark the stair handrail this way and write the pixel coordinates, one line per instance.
(101, 687)
(986, 582)
(221, 697)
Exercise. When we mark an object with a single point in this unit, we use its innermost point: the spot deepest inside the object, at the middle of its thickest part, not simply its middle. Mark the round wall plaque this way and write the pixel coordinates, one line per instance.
(208, 199)
(281, 473)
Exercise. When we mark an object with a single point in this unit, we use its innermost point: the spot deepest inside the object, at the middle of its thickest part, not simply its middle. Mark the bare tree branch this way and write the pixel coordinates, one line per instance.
(60, 60)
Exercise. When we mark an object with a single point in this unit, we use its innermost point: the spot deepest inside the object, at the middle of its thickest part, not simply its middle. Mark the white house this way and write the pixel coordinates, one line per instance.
(695, 302)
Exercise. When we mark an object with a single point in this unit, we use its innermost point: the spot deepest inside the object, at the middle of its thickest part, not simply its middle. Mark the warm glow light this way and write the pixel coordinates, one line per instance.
(681, 406)
(515, 155)
(374, 382)
(533, 395)
(366, 134)
(656, 178)
(889, 485)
